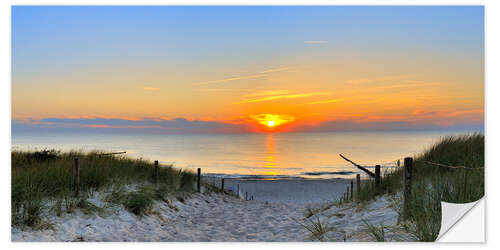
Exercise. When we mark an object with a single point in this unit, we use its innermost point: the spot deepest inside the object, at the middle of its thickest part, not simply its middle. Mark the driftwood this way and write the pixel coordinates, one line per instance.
(360, 167)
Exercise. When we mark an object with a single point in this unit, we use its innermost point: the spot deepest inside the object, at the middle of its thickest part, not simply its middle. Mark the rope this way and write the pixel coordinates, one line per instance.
(447, 166)
(115, 153)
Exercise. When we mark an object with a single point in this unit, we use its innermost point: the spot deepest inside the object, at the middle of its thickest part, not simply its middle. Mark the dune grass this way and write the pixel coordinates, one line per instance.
(316, 228)
(378, 233)
(43, 180)
(432, 184)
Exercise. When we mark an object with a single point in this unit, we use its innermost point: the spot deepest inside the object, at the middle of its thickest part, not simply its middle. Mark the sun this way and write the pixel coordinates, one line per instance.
(272, 122)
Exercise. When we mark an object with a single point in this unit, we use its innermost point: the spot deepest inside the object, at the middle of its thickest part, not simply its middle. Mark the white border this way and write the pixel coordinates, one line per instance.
(492, 11)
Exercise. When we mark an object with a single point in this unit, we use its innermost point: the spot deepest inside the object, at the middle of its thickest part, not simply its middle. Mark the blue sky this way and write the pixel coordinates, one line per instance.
(113, 33)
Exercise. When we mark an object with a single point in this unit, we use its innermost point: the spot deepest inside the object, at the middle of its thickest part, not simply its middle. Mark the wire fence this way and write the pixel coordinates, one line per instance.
(448, 166)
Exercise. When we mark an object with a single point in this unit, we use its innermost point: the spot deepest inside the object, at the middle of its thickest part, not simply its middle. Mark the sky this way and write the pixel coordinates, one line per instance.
(220, 69)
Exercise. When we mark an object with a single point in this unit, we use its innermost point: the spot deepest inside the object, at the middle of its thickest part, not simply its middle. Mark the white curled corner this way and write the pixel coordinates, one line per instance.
(451, 213)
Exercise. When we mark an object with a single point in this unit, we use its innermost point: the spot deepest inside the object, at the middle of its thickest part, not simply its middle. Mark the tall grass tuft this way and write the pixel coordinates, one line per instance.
(47, 175)
(378, 233)
(317, 228)
(432, 184)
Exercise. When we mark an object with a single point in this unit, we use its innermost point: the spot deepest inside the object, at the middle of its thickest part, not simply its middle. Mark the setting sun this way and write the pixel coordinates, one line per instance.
(272, 120)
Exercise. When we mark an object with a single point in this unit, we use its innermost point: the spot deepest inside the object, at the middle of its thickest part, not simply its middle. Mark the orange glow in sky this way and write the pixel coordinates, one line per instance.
(272, 121)
(319, 72)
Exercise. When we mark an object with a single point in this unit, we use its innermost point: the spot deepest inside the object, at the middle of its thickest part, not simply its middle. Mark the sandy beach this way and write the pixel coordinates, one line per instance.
(277, 213)
(288, 191)
(212, 217)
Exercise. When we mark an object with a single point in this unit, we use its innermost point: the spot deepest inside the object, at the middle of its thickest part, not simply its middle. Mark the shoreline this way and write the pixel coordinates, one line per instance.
(288, 191)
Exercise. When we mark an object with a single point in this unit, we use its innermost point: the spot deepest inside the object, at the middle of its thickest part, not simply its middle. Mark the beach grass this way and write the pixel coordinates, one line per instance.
(316, 228)
(432, 184)
(377, 232)
(43, 180)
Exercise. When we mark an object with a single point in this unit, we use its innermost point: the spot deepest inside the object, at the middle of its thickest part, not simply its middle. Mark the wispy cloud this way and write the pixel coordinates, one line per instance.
(286, 96)
(327, 101)
(232, 79)
(223, 90)
(407, 85)
(379, 79)
(151, 88)
(273, 70)
(268, 93)
(315, 41)
(261, 74)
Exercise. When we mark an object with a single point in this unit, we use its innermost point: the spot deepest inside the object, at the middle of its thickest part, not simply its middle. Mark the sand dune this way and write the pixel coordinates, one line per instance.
(201, 218)
(217, 217)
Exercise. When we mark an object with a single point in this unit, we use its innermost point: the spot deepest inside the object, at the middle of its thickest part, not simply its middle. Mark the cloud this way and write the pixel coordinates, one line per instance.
(276, 118)
(359, 125)
(232, 79)
(273, 70)
(379, 79)
(254, 76)
(315, 42)
(151, 88)
(159, 125)
(268, 93)
(283, 96)
(327, 101)
(459, 120)
(223, 90)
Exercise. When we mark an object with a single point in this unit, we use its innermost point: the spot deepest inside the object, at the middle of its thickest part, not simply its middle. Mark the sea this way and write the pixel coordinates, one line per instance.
(252, 155)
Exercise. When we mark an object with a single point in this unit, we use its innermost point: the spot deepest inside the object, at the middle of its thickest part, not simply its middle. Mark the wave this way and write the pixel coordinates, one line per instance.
(330, 173)
(250, 176)
(301, 176)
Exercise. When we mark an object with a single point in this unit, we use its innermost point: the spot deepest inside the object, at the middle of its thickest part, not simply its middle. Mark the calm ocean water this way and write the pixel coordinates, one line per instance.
(309, 155)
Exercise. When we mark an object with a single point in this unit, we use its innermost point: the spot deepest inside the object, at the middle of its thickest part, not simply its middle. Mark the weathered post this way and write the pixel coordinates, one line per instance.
(352, 189)
(238, 190)
(198, 180)
(246, 196)
(76, 176)
(377, 176)
(222, 185)
(408, 171)
(156, 171)
(358, 184)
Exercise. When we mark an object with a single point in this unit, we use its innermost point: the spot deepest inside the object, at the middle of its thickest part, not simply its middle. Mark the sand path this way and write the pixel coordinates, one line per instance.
(217, 218)
(200, 218)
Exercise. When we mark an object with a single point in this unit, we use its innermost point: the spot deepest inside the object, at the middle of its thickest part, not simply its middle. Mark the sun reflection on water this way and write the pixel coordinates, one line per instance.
(270, 159)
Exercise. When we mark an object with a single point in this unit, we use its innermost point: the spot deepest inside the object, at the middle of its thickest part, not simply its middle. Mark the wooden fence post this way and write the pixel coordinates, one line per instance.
(358, 184)
(238, 190)
(377, 176)
(246, 196)
(352, 189)
(222, 185)
(156, 171)
(76, 176)
(198, 180)
(408, 171)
